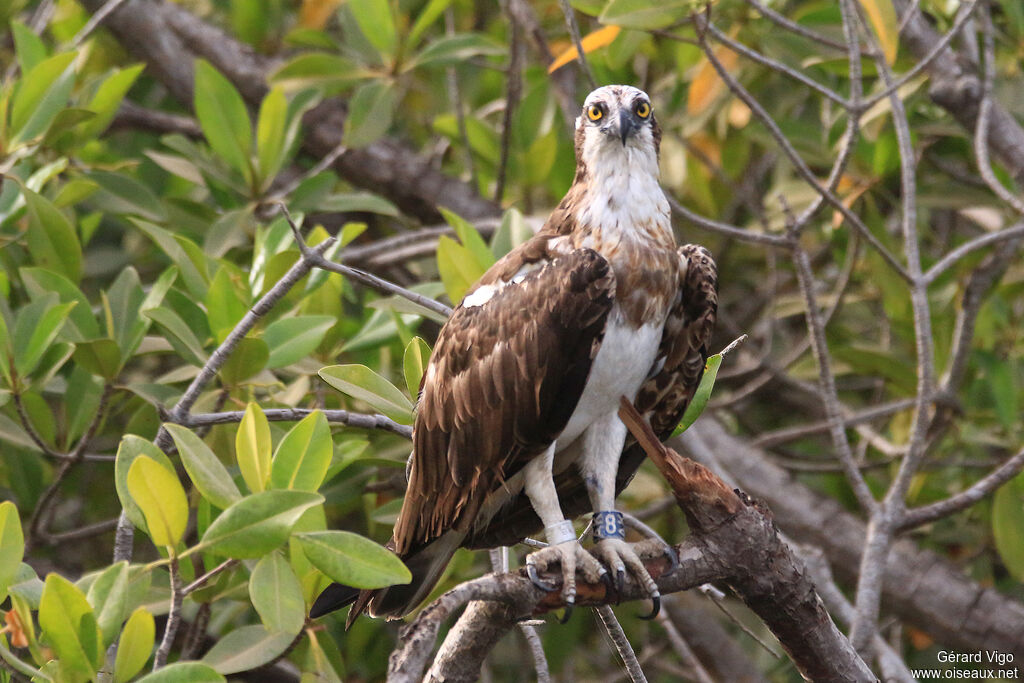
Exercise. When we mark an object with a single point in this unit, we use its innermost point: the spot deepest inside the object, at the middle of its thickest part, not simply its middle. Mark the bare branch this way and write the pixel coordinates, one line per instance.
(574, 33)
(915, 517)
(345, 417)
(173, 616)
(829, 393)
(611, 625)
(981, 130)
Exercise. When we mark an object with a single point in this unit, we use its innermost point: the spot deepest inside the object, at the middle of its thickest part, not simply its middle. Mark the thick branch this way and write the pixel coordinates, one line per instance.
(920, 587)
(757, 564)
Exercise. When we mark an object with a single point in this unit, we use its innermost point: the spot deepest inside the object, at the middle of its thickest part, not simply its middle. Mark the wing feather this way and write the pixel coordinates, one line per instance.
(501, 384)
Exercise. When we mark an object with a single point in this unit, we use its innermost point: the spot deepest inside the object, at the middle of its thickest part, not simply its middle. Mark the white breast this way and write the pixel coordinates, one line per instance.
(622, 364)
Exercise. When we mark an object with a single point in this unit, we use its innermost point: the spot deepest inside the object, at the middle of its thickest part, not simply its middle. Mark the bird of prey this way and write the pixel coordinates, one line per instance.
(517, 425)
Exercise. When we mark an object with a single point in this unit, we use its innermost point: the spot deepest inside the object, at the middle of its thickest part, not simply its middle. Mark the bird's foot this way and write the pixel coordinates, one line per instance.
(619, 556)
(647, 532)
(570, 556)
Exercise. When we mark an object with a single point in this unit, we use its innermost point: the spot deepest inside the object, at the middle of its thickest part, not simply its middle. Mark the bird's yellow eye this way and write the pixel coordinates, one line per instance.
(643, 110)
(594, 112)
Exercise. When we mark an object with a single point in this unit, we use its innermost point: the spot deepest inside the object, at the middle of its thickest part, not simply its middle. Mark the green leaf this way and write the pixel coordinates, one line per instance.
(81, 324)
(37, 326)
(28, 46)
(43, 94)
(226, 302)
(470, 239)
(304, 454)
(318, 70)
(135, 646)
(270, 134)
(370, 112)
(427, 16)
(247, 648)
(70, 627)
(353, 560)
(184, 672)
(132, 447)
(455, 49)
(203, 467)
(122, 194)
(292, 339)
(12, 545)
(377, 24)
(351, 202)
(362, 383)
(277, 596)
(248, 358)
(51, 239)
(1008, 525)
(414, 362)
(99, 356)
(193, 273)
(159, 495)
(223, 117)
(258, 523)
(179, 334)
(701, 396)
(252, 448)
(458, 268)
(647, 14)
(108, 596)
(107, 100)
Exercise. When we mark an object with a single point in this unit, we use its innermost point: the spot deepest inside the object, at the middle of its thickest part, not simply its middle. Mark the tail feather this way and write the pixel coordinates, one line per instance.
(393, 602)
(334, 597)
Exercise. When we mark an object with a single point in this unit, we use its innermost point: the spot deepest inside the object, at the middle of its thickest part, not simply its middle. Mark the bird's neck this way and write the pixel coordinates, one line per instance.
(622, 202)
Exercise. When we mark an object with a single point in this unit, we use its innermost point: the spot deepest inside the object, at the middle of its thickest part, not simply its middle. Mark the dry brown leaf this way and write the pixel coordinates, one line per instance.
(590, 42)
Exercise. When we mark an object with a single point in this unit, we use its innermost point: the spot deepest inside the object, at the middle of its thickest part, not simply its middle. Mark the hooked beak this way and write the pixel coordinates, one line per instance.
(626, 124)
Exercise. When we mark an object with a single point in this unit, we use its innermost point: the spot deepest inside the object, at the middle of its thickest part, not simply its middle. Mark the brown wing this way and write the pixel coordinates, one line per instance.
(662, 399)
(502, 382)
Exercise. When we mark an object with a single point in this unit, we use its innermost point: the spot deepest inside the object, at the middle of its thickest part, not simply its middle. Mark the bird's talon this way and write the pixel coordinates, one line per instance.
(566, 615)
(673, 559)
(620, 581)
(531, 572)
(655, 608)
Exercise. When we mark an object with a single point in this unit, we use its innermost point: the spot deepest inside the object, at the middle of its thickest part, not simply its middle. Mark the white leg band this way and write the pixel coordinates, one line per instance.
(563, 532)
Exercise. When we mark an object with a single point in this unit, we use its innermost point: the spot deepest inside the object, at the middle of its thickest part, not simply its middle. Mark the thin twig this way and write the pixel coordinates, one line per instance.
(173, 616)
(455, 98)
(95, 20)
(314, 257)
(205, 578)
(574, 32)
(950, 258)
(611, 625)
(776, 65)
(345, 417)
(962, 16)
(796, 28)
(825, 193)
(513, 91)
(683, 650)
(915, 517)
(829, 393)
(981, 130)
(884, 520)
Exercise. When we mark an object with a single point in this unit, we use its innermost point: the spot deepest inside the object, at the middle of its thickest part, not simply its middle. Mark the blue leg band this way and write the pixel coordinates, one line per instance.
(608, 524)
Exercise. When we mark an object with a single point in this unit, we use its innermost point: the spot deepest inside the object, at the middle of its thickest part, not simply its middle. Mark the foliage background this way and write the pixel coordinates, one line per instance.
(138, 226)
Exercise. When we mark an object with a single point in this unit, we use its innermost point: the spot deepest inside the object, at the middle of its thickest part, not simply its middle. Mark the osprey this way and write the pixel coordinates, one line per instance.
(517, 425)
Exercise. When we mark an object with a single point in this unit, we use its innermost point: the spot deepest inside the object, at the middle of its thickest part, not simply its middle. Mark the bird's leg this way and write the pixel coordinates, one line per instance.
(602, 447)
(563, 548)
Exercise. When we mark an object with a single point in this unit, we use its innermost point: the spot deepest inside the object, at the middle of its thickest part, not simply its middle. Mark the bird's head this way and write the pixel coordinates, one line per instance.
(616, 119)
